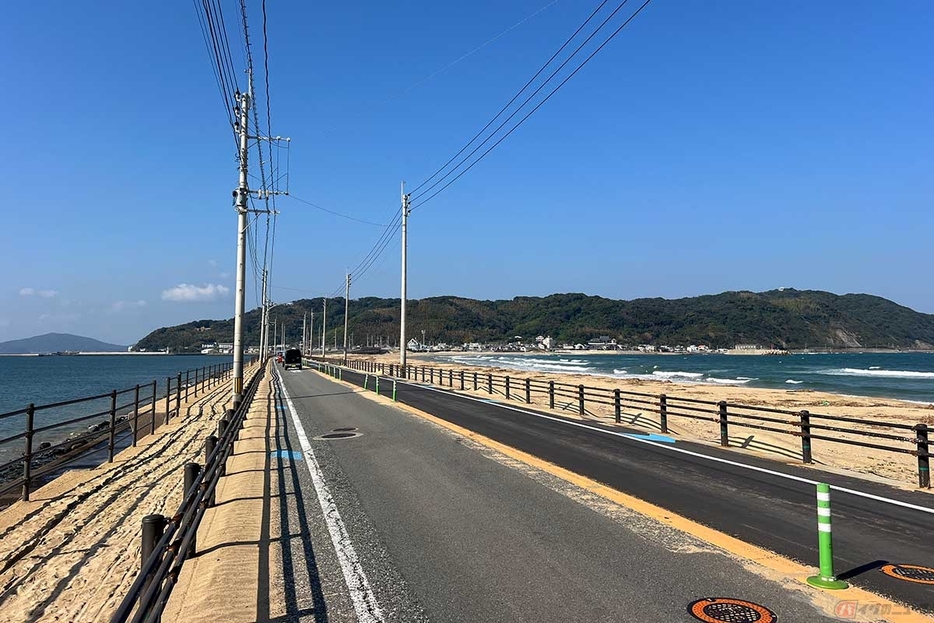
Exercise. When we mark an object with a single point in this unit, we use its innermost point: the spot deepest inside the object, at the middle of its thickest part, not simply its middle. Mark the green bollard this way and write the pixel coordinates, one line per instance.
(394, 390)
(826, 578)
(366, 379)
(377, 386)
(340, 374)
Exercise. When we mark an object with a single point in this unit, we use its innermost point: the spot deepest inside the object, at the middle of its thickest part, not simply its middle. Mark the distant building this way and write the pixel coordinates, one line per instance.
(602, 343)
(548, 343)
(413, 345)
(747, 347)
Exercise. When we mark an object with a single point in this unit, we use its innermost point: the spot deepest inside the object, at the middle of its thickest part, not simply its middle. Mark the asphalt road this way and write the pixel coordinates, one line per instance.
(762, 509)
(446, 531)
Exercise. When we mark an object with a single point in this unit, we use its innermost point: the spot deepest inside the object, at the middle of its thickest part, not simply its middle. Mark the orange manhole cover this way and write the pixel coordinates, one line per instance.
(727, 610)
(910, 573)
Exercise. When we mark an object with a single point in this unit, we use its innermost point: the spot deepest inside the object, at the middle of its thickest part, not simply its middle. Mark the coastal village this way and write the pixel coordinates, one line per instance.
(601, 343)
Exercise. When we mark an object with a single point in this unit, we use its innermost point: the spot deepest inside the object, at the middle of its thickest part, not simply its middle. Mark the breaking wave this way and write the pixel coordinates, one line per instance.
(877, 372)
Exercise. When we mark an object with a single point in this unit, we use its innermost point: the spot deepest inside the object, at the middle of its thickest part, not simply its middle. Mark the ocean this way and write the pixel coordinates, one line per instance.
(44, 380)
(904, 376)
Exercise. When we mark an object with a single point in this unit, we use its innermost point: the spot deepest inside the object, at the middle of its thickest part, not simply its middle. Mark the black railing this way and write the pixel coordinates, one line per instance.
(169, 541)
(888, 436)
(120, 414)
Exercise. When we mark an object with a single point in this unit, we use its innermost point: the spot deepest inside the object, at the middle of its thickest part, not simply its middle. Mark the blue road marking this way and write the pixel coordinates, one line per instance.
(287, 454)
(281, 407)
(652, 437)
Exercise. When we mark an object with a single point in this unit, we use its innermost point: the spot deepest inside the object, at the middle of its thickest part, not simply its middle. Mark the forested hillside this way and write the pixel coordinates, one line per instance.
(784, 318)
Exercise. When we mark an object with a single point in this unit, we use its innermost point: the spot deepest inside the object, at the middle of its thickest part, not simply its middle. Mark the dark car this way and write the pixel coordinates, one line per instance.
(293, 358)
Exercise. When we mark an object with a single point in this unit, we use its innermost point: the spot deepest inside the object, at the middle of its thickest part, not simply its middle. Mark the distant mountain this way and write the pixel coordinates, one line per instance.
(784, 318)
(57, 342)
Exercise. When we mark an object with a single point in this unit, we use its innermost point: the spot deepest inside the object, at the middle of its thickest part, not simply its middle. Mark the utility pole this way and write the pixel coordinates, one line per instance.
(275, 343)
(304, 334)
(262, 323)
(346, 315)
(324, 324)
(405, 244)
(311, 335)
(240, 195)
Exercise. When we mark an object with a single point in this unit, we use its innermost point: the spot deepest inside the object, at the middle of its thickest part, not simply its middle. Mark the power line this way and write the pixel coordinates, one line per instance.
(335, 213)
(537, 106)
(514, 97)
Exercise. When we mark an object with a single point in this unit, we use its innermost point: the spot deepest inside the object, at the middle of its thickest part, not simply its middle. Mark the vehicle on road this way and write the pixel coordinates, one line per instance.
(293, 358)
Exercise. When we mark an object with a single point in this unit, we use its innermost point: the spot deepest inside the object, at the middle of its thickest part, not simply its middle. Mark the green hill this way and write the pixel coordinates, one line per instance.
(785, 318)
(57, 342)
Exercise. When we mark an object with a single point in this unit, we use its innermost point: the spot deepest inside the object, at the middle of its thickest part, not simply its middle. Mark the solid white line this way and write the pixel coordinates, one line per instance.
(670, 448)
(361, 593)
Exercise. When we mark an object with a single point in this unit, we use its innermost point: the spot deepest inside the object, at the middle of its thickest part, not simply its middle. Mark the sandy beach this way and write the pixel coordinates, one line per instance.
(899, 469)
(72, 552)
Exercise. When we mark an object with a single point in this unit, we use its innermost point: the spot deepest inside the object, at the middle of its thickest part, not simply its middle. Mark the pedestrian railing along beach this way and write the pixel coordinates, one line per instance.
(877, 434)
(54, 435)
(167, 542)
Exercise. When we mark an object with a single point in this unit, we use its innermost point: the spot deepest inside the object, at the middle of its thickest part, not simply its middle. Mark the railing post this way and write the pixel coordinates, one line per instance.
(826, 578)
(924, 460)
(507, 387)
(168, 396)
(580, 399)
(475, 381)
(617, 410)
(27, 455)
(462, 380)
(423, 373)
(191, 475)
(551, 394)
(724, 425)
(196, 382)
(178, 395)
(528, 392)
(153, 528)
(187, 384)
(111, 437)
(489, 383)
(663, 412)
(805, 436)
(135, 414)
(152, 420)
(451, 378)
(209, 444)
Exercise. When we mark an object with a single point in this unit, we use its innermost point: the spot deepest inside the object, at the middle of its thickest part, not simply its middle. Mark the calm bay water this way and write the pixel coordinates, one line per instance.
(906, 376)
(44, 380)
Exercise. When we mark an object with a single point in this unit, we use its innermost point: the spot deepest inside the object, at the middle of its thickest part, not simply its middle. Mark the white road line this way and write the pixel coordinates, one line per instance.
(361, 593)
(670, 448)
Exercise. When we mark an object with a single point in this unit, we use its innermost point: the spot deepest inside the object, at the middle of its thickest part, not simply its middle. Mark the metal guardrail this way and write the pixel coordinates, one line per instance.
(896, 437)
(144, 400)
(169, 541)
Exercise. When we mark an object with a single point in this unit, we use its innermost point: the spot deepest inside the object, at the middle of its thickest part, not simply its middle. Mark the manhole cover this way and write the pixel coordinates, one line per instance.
(727, 610)
(910, 573)
(344, 435)
(345, 429)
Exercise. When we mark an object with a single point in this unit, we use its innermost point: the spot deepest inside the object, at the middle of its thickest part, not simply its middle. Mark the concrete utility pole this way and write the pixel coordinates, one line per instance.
(324, 324)
(263, 334)
(311, 335)
(241, 194)
(405, 245)
(346, 315)
(275, 343)
(304, 334)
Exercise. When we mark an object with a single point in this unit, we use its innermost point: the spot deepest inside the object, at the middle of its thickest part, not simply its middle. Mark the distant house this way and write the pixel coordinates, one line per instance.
(602, 343)
(747, 347)
(413, 345)
(547, 343)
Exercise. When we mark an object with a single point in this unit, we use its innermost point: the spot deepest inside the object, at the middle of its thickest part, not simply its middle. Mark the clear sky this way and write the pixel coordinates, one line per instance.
(711, 146)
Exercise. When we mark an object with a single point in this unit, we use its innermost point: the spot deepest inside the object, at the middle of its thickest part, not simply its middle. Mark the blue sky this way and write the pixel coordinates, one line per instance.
(709, 147)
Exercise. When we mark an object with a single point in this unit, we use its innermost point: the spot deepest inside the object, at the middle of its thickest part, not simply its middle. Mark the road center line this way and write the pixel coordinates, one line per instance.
(670, 448)
(361, 593)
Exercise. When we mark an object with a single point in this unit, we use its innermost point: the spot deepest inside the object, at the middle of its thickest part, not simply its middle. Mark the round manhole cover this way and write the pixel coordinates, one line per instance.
(910, 573)
(344, 429)
(343, 435)
(727, 610)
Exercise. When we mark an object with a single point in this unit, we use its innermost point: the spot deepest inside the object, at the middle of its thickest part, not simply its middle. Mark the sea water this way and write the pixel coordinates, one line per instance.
(45, 380)
(904, 376)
